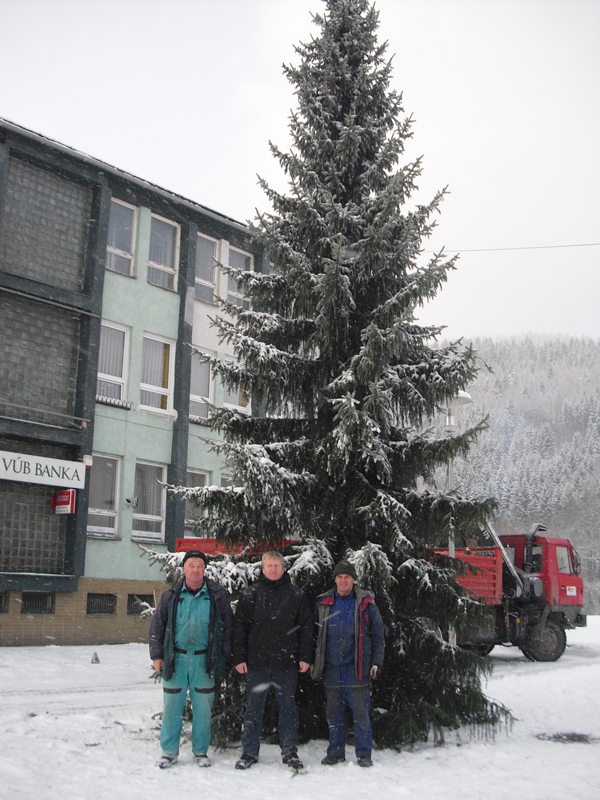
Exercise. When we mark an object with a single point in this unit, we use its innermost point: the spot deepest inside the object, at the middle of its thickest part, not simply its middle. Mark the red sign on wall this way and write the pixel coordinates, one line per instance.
(63, 502)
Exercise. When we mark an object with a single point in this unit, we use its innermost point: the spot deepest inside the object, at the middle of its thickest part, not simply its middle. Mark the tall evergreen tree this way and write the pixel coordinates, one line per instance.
(344, 381)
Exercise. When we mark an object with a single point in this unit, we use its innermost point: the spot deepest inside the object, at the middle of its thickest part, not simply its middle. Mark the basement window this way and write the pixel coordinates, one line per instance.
(37, 602)
(134, 602)
(101, 604)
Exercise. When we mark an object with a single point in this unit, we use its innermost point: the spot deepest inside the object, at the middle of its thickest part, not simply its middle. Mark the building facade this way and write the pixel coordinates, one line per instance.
(105, 282)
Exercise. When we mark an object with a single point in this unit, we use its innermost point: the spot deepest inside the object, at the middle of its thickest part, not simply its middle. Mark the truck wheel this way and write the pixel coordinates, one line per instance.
(550, 647)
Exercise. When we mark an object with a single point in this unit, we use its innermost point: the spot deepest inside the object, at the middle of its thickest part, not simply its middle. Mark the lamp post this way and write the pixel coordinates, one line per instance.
(461, 399)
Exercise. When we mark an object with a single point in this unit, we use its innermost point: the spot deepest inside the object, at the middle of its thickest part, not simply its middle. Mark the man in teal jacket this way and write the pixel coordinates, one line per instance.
(190, 641)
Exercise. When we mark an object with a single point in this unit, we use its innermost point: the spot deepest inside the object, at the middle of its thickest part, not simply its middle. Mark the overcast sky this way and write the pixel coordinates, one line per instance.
(504, 94)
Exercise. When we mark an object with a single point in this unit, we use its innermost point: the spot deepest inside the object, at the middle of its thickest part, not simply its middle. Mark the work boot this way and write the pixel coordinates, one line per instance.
(165, 762)
(245, 762)
(293, 761)
(364, 761)
(330, 760)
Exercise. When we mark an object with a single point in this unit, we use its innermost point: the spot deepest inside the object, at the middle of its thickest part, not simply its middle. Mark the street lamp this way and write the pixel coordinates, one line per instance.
(461, 399)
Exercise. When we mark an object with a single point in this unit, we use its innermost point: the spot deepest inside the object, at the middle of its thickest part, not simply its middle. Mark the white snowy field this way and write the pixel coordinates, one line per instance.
(74, 730)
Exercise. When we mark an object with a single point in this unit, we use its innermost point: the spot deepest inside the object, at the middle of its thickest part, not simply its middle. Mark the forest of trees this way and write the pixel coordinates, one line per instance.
(541, 453)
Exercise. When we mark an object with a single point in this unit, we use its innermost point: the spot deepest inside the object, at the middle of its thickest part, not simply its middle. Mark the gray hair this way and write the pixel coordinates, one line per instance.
(272, 554)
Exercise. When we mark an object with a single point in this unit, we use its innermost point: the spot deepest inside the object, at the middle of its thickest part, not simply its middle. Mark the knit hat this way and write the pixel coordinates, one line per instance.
(344, 567)
(195, 554)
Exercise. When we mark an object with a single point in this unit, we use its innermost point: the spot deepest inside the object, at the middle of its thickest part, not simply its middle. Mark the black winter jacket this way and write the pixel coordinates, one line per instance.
(164, 619)
(272, 626)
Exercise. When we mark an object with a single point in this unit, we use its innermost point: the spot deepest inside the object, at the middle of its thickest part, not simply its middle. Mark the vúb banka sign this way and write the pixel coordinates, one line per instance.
(37, 469)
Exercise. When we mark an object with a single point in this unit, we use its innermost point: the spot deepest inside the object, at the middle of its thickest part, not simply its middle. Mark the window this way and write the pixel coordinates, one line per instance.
(121, 232)
(563, 560)
(239, 260)
(4, 599)
(193, 479)
(238, 398)
(101, 603)
(164, 246)
(134, 602)
(37, 602)
(206, 254)
(156, 385)
(112, 362)
(102, 510)
(149, 511)
(201, 387)
(535, 565)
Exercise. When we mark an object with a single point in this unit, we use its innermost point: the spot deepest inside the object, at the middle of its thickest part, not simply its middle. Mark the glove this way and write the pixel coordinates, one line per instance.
(373, 672)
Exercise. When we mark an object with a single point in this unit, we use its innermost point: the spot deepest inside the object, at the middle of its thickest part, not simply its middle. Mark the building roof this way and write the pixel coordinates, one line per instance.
(108, 168)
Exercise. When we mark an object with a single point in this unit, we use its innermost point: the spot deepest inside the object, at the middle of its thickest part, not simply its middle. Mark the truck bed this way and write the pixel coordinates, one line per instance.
(486, 585)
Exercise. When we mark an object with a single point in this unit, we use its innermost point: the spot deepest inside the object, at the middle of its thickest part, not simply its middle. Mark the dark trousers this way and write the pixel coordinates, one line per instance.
(284, 681)
(359, 700)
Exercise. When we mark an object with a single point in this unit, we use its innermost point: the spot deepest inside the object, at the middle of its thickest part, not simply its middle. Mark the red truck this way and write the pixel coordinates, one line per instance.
(533, 582)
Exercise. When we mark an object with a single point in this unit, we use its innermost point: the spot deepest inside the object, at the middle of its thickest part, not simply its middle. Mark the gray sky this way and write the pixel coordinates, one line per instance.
(504, 94)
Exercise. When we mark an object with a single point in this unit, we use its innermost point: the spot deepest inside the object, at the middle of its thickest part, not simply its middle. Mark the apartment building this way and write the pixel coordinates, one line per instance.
(105, 282)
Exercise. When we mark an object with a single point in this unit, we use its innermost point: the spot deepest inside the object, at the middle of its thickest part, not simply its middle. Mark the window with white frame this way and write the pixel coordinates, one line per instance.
(206, 254)
(112, 361)
(156, 383)
(239, 260)
(201, 387)
(121, 236)
(164, 252)
(237, 398)
(149, 497)
(194, 479)
(103, 503)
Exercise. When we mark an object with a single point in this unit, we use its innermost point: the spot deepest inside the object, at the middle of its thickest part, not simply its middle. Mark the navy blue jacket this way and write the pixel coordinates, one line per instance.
(368, 638)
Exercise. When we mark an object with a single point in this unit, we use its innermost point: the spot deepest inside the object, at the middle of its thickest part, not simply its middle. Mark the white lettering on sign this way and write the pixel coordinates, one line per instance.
(65, 502)
(37, 469)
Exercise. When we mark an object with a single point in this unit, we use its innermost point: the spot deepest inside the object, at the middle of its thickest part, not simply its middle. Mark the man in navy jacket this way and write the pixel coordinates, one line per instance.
(349, 652)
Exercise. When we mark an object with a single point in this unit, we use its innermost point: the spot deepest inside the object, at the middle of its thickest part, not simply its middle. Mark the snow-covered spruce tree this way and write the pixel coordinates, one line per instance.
(343, 381)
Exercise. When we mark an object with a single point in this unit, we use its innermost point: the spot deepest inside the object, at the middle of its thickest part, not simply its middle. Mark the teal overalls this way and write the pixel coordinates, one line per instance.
(191, 642)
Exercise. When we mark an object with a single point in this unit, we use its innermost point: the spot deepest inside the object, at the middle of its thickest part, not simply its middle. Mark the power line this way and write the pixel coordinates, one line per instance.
(535, 247)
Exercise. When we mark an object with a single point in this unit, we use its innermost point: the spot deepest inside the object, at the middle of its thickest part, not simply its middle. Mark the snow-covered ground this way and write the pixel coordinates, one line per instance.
(73, 729)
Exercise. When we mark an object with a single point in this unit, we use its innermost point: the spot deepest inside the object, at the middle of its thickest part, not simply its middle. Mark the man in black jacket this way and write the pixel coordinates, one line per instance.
(272, 641)
(190, 641)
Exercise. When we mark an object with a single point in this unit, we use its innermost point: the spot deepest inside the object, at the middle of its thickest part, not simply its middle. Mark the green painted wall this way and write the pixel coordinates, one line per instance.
(139, 435)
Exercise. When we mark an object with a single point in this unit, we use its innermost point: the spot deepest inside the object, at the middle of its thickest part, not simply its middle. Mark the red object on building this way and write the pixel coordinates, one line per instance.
(213, 548)
(63, 502)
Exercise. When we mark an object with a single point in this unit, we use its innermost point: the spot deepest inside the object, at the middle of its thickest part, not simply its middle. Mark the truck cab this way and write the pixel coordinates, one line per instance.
(555, 562)
(532, 581)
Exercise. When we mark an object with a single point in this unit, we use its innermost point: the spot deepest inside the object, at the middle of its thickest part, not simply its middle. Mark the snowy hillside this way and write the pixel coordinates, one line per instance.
(73, 729)
(541, 454)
